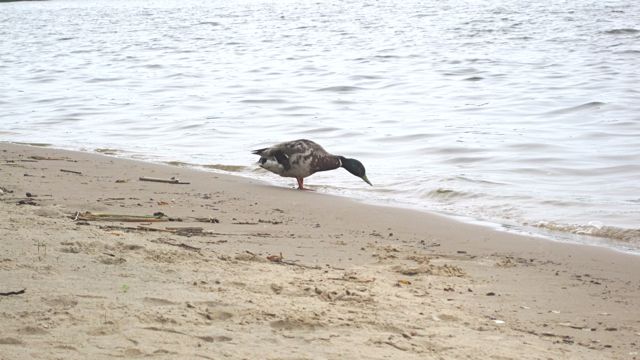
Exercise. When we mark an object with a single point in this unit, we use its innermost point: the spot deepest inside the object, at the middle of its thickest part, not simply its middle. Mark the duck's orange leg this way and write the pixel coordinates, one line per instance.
(301, 185)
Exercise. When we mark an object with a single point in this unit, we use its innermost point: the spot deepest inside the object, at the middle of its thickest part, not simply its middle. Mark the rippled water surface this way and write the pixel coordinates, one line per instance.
(523, 114)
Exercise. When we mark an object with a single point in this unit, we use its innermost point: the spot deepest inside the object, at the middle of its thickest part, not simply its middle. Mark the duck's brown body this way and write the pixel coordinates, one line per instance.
(299, 159)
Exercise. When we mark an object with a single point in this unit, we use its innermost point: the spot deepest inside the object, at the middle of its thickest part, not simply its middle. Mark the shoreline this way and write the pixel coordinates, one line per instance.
(293, 273)
(552, 233)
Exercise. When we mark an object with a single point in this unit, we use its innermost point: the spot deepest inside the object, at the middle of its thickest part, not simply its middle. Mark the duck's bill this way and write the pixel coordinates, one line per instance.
(366, 180)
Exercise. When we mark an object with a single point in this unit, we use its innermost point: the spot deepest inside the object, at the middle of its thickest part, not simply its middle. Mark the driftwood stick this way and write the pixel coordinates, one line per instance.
(191, 229)
(9, 293)
(87, 216)
(291, 263)
(167, 181)
(71, 171)
(38, 157)
(131, 228)
(279, 259)
(182, 245)
(21, 160)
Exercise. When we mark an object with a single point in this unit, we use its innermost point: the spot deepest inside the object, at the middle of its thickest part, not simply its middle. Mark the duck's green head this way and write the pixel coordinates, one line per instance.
(355, 167)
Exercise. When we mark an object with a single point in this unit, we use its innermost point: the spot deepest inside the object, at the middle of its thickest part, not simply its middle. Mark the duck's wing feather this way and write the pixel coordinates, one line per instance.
(290, 148)
(302, 146)
(282, 159)
(276, 158)
(276, 162)
(298, 158)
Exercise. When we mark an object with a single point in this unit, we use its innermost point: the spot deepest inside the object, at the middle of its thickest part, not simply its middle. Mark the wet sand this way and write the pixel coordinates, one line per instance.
(234, 268)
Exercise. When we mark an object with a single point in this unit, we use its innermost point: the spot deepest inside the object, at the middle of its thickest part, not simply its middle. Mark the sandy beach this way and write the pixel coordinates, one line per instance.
(98, 264)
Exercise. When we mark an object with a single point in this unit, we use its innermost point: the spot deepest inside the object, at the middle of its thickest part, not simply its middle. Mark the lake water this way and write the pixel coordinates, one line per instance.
(523, 114)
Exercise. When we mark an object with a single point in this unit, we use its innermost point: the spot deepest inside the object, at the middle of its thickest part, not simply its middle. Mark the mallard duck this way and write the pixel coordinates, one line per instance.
(302, 158)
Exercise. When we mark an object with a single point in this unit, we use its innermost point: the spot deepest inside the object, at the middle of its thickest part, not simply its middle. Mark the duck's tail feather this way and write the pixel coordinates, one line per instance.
(259, 151)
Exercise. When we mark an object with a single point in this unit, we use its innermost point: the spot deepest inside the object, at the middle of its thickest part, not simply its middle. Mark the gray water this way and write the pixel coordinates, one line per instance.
(517, 113)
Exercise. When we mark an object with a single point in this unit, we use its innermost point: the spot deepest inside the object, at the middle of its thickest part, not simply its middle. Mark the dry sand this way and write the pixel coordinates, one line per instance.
(282, 274)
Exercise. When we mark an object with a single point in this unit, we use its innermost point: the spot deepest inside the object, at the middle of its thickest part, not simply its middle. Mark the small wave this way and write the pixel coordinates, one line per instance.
(297, 108)
(585, 106)
(106, 79)
(530, 146)
(462, 71)
(107, 151)
(391, 85)
(299, 115)
(180, 75)
(630, 236)
(403, 138)
(474, 78)
(178, 163)
(447, 150)
(263, 101)
(232, 168)
(187, 126)
(521, 38)
(466, 159)
(81, 51)
(622, 31)
(476, 181)
(343, 88)
(321, 130)
(386, 56)
(448, 194)
(152, 66)
(33, 144)
(343, 102)
(50, 100)
(365, 77)
(633, 52)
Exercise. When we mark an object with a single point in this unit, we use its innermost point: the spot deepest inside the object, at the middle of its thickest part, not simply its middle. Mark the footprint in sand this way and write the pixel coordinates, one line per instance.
(10, 341)
(293, 324)
(218, 315)
(111, 260)
(32, 330)
(220, 338)
(104, 330)
(63, 302)
(157, 301)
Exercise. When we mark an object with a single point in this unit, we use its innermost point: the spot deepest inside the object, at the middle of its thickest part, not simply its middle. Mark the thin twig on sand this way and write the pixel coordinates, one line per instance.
(9, 293)
(168, 181)
(88, 216)
(182, 245)
(279, 259)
